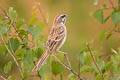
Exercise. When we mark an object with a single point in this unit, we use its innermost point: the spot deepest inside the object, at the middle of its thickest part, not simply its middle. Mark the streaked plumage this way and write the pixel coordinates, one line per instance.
(55, 40)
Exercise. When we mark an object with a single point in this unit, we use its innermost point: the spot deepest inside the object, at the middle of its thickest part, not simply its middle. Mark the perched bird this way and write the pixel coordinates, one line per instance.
(55, 40)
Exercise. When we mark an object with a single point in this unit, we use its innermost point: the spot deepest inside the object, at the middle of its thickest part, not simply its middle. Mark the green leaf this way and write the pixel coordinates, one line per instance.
(12, 14)
(87, 58)
(56, 67)
(86, 68)
(39, 52)
(61, 77)
(102, 34)
(22, 33)
(98, 77)
(104, 5)
(72, 77)
(3, 29)
(45, 69)
(3, 49)
(7, 67)
(13, 44)
(115, 16)
(42, 25)
(114, 78)
(99, 16)
(11, 78)
(20, 23)
(20, 53)
(108, 65)
(81, 57)
(33, 20)
(35, 30)
(101, 64)
(60, 56)
(28, 61)
(96, 2)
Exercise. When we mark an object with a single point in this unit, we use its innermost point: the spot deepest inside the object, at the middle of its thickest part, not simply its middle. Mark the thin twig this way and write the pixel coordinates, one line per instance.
(2, 73)
(79, 67)
(94, 60)
(107, 8)
(112, 4)
(42, 14)
(5, 14)
(14, 57)
(66, 57)
(65, 66)
(2, 77)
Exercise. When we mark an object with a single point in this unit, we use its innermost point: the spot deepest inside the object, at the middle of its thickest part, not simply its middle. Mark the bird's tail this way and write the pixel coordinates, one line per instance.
(41, 61)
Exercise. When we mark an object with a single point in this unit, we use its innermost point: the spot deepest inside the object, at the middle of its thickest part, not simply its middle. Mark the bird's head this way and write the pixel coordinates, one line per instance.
(61, 19)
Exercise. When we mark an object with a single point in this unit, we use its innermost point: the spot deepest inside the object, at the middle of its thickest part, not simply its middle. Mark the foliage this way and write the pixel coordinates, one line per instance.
(25, 41)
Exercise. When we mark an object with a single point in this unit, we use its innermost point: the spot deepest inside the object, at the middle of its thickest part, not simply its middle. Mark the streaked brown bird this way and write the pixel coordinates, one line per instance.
(55, 40)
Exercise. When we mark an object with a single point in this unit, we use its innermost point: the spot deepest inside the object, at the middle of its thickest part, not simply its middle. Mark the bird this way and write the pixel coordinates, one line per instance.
(55, 41)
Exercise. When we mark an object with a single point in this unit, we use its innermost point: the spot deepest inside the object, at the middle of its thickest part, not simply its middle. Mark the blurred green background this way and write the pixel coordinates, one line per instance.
(81, 25)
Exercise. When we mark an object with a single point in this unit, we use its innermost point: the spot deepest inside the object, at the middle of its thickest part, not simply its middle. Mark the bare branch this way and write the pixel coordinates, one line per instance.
(94, 60)
(112, 4)
(2, 77)
(66, 67)
(107, 8)
(66, 57)
(12, 55)
(79, 68)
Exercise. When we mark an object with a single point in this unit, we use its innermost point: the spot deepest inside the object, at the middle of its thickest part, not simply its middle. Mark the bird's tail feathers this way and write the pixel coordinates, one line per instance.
(41, 61)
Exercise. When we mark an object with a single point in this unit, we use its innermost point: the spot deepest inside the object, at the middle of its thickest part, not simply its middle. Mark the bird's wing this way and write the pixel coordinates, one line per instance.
(56, 34)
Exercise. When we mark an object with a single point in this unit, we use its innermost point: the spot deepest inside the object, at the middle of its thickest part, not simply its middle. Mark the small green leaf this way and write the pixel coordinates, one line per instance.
(20, 53)
(86, 68)
(39, 52)
(42, 25)
(61, 77)
(7, 67)
(28, 61)
(20, 23)
(33, 20)
(3, 29)
(3, 49)
(12, 14)
(99, 16)
(60, 56)
(101, 64)
(35, 30)
(72, 77)
(56, 67)
(96, 2)
(45, 69)
(104, 5)
(22, 33)
(11, 78)
(13, 44)
(115, 16)
(114, 78)
(108, 65)
(98, 77)
(102, 34)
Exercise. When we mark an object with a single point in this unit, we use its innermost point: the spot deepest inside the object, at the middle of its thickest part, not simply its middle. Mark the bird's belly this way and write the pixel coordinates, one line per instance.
(62, 42)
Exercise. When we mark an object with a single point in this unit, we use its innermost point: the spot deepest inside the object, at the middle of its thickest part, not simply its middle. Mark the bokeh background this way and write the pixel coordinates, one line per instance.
(81, 25)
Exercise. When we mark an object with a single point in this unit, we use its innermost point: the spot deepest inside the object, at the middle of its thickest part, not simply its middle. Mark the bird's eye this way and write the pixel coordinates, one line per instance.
(63, 16)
